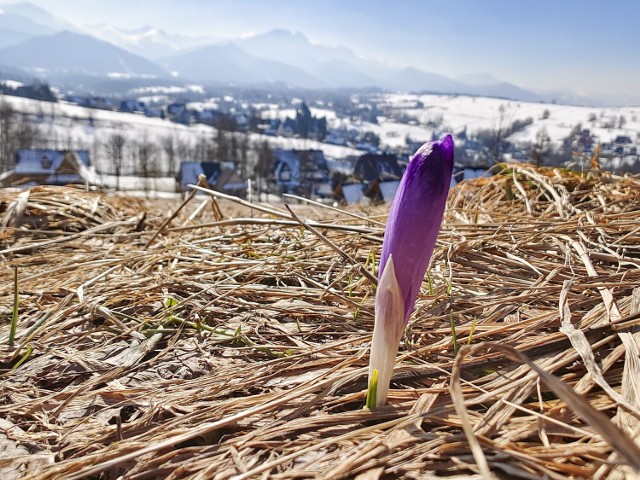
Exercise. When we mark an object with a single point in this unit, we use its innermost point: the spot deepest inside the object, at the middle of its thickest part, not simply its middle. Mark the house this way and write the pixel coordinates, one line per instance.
(190, 171)
(176, 109)
(371, 167)
(242, 122)
(379, 174)
(305, 125)
(155, 112)
(286, 128)
(273, 127)
(179, 113)
(101, 103)
(622, 140)
(132, 106)
(38, 91)
(334, 138)
(229, 181)
(78, 100)
(302, 172)
(48, 167)
(349, 191)
(208, 116)
(220, 176)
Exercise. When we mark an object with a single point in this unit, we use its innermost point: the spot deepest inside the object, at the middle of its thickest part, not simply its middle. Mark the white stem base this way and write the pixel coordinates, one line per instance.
(387, 331)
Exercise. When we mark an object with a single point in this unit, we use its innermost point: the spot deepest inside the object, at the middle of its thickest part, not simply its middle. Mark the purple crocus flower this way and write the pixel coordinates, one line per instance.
(410, 237)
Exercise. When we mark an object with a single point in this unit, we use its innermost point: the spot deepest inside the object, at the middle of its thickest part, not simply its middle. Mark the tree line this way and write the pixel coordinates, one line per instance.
(122, 153)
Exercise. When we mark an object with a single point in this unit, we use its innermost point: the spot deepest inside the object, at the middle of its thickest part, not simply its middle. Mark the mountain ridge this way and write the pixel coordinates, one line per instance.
(69, 51)
(277, 56)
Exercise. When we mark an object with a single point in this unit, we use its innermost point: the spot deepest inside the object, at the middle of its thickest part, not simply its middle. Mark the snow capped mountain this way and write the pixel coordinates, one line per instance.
(262, 58)
(31, 19)
(149, 41)
(21, 21)
(294, 48)
(30, 38)
(74, 52)
(230, 64)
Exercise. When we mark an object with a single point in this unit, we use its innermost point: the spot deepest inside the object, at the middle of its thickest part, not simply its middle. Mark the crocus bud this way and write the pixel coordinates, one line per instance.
(410, 237)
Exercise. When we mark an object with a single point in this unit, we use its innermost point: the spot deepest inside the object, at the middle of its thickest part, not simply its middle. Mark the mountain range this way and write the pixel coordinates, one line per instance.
(75, 52)
(44, 45)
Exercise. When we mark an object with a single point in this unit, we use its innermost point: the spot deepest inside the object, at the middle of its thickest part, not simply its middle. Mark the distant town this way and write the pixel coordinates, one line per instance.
(333, 145)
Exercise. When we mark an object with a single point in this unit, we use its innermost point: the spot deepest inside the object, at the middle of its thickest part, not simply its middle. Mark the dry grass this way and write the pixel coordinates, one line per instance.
(237, 348)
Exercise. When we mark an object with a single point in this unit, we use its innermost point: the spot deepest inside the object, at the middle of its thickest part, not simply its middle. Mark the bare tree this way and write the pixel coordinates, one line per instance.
(493, 138)
(25, 133)
(170, 149)
(499, 132)
(541, 147)
(144, 152)
(622, 121)
(244, 156)
(184, 151)
(264, 168)
(114, 147)
(223, 146)
(7, 144)
(16, 132)
(202, 150)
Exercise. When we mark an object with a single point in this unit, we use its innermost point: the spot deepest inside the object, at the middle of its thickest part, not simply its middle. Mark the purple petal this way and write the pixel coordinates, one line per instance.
(415, 216)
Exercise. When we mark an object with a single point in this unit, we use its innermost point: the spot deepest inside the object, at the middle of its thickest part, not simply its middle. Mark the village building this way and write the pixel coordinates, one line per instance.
(375, 176)
(47, 167)
(222, 177)
(132, 106)
(302, 172)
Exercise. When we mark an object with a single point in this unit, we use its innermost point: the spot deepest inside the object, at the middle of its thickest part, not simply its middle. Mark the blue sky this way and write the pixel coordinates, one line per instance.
(587, 46)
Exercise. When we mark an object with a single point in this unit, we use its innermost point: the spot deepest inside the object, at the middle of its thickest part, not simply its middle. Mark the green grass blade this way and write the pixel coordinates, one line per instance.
(24, 358)
(454, 335)
(432, 290)
(372, 391)
(473, 329)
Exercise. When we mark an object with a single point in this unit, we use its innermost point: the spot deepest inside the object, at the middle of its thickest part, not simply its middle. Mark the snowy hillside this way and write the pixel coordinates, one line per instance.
(62, 125)
(421, 116)
(475, 113)
(403, 121)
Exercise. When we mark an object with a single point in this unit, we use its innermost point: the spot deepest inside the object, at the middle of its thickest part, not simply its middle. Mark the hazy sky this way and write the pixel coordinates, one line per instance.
(585, 45)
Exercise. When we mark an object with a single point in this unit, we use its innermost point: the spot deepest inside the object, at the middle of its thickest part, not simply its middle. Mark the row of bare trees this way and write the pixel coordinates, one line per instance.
(147, 158)
(121, 153)
(16, 132)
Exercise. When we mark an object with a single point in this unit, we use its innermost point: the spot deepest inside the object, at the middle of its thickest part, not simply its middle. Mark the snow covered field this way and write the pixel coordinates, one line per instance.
(458, 112)
(418, 118)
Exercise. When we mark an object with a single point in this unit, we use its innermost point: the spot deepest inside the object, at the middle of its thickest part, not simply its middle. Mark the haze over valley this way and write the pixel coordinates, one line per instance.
(176, 93)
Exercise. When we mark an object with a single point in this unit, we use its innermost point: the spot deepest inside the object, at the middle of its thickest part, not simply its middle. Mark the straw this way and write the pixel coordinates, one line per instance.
(238, 348)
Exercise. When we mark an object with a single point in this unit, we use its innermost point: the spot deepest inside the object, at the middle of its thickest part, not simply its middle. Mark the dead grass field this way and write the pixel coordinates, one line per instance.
(236, 346)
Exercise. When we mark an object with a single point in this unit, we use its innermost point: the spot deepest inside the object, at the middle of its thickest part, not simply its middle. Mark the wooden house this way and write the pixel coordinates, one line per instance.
(47, 167)
(302, 172)
(220, 176)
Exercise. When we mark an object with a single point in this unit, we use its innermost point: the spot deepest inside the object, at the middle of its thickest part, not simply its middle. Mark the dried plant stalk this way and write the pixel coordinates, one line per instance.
(238, 347)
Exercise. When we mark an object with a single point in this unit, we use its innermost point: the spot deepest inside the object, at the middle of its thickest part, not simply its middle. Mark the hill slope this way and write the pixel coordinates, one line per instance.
(73, 52)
